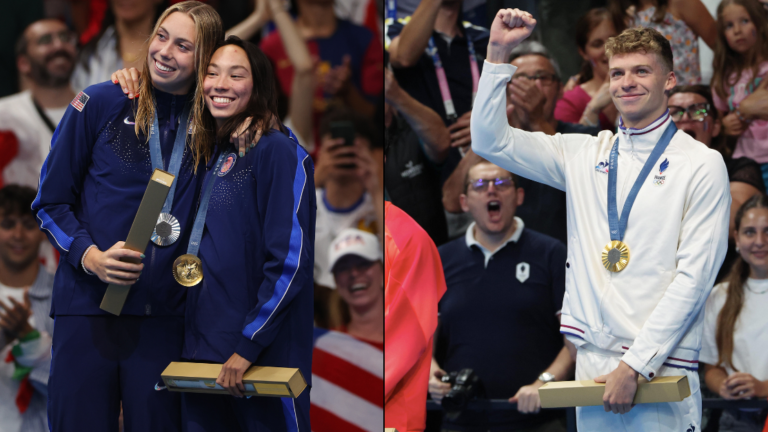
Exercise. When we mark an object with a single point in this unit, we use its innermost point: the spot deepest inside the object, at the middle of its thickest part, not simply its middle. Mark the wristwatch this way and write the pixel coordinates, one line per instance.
(546, 377)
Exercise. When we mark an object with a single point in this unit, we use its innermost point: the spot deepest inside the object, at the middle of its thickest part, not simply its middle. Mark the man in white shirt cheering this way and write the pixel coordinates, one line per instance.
(647, 225)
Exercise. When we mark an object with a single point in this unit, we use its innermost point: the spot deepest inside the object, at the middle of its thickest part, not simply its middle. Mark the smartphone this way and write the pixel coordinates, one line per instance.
(346, 130)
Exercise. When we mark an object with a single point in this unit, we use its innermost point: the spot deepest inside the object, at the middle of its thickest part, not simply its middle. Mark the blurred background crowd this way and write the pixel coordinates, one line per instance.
(333, 101)
(501, 238)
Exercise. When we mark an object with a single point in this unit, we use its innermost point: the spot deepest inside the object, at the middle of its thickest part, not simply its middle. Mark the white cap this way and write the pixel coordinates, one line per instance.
(354, 242)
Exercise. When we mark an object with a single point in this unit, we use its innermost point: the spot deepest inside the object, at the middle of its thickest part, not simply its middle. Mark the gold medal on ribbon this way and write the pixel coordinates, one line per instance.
(188, 270)
(615, 256)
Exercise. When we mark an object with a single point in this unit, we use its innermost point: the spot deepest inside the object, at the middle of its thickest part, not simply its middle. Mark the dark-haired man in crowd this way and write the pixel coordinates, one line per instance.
(505, 282)
(25, 301)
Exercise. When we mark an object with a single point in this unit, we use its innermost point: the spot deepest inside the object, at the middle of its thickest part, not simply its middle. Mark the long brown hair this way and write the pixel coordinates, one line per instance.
(734, 300)
(728, 62)
(208, 32)
(584, 26)
(621, 19)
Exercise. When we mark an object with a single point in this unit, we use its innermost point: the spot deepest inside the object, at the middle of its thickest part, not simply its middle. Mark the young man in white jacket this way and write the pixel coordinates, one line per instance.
(637, 275)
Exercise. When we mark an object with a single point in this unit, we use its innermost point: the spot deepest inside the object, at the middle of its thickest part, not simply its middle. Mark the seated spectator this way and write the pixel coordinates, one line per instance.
(682, 22)
(531, 95)
(417, 144)
(733, 352)
(119, 44)
(350, 60)
(589, 103)
(739, 80)
(25, 301)
(351, 195)
(504, 282)
(693, 112)
(413, 285)
(347, 372)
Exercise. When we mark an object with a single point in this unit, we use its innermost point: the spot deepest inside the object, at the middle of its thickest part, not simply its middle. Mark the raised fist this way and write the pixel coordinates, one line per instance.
(509, 28)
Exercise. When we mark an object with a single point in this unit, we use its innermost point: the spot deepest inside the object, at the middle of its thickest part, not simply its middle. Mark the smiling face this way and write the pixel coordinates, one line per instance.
(19, 240)
(359, 281)
(594, 50)
(493, 208)
(752, 239)
(637, 84)
(228, 83)
(171, 56)
(739, 30)
(50, 53)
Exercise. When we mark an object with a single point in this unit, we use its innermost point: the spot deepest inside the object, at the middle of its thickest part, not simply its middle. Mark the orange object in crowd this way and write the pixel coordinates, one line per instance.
(413, 284)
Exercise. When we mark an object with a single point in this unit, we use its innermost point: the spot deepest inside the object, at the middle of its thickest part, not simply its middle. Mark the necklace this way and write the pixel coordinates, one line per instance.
(755, 292)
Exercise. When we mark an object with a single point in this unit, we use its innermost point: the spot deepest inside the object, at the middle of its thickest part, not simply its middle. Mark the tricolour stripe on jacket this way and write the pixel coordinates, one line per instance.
(292, 259)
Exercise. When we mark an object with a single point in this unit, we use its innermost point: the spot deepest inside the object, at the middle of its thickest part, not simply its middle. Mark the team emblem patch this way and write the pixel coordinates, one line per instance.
(79, 101)
(523, 272)
(659, 179)
(602, 167)
(226, 167)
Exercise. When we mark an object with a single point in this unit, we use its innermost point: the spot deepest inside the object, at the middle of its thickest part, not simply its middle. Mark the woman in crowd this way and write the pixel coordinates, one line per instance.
(682, 22)
(103, 154)
(255, 230)
(739, 83)
(735, 363)
(589, 103)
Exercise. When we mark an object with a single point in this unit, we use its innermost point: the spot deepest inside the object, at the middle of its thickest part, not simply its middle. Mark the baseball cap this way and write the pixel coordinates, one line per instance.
(354, 242)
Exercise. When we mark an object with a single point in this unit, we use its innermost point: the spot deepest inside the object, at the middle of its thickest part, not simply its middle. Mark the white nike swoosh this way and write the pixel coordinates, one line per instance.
(158, 387)
(128, 122)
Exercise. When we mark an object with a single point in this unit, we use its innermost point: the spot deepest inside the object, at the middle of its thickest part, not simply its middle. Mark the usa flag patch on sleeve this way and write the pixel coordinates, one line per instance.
(79, 101)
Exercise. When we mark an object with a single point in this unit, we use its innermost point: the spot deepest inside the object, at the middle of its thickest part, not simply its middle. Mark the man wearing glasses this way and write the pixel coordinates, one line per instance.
(694, 113)
(45, 57)
(505, 286)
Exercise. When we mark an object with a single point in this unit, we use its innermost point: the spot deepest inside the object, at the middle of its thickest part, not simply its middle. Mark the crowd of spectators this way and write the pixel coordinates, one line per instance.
(501, 238)
(328, 61)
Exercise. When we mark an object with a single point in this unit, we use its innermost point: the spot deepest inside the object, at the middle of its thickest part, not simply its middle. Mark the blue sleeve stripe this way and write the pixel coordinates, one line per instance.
(47, 224)
(293, 258)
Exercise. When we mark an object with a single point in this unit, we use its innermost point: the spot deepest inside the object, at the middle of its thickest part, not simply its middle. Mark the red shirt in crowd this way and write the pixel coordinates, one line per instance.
(571, 107)
(413, 285)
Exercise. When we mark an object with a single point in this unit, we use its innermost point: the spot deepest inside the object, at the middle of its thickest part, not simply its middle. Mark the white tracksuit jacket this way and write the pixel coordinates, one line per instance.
(651, 312)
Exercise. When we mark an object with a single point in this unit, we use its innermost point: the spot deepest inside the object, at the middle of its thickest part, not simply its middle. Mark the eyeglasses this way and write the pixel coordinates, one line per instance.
(501, 184)
(65, 36)
(696, 112)
(545, 78)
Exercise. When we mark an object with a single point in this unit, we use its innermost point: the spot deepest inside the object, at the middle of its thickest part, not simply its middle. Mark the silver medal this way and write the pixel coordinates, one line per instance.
(167, 230)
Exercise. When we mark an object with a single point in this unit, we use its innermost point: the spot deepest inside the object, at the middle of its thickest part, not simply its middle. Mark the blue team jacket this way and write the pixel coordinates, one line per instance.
(257, 249)
(91, 185)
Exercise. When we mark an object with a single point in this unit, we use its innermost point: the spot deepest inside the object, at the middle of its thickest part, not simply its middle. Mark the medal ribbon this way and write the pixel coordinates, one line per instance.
(618, 227)
(156, 154)
(197, 228)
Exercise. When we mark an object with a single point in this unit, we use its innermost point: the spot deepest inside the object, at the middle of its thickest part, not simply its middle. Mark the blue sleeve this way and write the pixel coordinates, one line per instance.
(62, 177)
(285, 201)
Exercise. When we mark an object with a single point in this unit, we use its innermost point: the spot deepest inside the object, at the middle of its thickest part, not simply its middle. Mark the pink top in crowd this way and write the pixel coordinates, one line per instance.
(753, 143)
(571, 107)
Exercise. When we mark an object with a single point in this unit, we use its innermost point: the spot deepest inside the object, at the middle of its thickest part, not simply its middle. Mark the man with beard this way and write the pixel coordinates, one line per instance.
(45, 54)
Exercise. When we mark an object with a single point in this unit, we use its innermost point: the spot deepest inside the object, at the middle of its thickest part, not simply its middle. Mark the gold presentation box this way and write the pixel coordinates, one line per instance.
(566, 394)
(258, 380)
(141, 232)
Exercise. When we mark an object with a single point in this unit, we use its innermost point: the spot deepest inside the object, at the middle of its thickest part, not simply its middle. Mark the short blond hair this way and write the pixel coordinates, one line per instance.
(641, 39)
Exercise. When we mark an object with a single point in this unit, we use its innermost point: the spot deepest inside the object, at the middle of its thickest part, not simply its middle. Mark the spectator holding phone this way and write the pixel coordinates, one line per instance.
(349, 194)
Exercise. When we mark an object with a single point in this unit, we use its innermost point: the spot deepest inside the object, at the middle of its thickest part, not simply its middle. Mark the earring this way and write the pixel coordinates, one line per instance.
(737, 248)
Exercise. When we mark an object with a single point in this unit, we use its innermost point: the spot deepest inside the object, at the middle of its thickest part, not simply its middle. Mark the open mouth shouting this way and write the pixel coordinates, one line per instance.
(494, 210)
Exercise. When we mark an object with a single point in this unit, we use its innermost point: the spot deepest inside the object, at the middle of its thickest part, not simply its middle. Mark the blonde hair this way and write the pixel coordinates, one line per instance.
(645, 40)
(208, 32)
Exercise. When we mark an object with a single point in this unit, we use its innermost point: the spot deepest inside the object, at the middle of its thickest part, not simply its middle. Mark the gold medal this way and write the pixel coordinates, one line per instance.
(615, 256)
(188, 270)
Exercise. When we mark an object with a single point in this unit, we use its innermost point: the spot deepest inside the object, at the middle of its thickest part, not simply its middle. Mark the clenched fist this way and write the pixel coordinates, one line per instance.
(509, 28)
